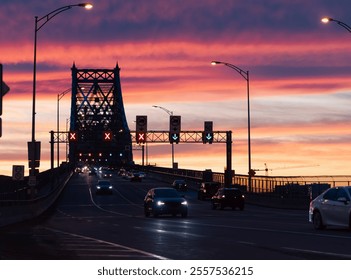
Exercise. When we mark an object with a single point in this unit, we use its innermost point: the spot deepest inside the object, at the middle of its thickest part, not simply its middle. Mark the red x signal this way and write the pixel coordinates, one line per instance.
(73, 136)
(141, 137)
(107, 136)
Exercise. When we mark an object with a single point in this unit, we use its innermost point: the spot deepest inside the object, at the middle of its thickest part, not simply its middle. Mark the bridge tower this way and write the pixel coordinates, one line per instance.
(98, 119)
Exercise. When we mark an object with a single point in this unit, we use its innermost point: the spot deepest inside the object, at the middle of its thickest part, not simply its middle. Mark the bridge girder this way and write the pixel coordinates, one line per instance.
(97, 107)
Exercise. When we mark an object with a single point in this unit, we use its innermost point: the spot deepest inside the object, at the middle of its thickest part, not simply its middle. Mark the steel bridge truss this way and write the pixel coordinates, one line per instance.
(97, 108)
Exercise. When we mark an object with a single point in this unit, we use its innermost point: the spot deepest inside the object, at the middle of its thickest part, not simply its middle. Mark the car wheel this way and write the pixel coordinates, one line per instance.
(184, 214)
(214, 206)
(317, 220)
(147, 213)
(241, 208)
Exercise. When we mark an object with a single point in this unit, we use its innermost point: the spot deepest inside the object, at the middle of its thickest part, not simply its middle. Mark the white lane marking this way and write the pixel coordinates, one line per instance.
(177, 233)
(108, 211)
(264, 230)
(246, 243)
(343, 256)
(117, 246)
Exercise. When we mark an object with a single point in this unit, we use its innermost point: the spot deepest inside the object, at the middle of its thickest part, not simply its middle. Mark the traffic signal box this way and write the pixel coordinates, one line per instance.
(207, 135)
(141, 129)
(174, 129)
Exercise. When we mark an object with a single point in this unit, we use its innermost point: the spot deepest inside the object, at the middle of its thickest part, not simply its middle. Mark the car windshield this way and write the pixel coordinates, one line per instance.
(166, 193)
(103, 183)
(212, 186)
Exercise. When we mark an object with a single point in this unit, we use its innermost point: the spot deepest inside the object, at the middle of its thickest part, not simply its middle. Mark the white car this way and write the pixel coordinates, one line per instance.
(331, 208)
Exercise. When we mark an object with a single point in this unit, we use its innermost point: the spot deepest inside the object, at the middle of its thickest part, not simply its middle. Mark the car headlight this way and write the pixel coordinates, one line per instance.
(110, 187)
(98, 187)
(160, 203)
(184, 203)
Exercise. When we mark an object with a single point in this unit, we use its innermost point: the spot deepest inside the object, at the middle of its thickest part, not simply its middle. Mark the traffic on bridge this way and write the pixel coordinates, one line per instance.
(86, 224)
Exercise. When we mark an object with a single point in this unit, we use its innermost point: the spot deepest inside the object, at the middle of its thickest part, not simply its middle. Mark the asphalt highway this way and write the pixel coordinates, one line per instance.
(83, 225)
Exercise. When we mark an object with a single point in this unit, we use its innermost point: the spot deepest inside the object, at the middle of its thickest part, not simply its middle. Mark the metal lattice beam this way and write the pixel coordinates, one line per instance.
(160, 136)
(185, 136)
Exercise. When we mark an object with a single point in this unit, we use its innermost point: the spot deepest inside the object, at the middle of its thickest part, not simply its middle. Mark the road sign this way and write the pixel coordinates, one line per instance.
(18, 172)
(3, 89)
(32, 181)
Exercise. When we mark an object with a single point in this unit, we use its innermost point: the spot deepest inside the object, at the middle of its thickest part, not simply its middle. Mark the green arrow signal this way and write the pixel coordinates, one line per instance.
(209, 136)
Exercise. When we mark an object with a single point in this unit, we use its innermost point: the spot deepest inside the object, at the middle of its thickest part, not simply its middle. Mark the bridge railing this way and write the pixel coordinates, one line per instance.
(285, 191)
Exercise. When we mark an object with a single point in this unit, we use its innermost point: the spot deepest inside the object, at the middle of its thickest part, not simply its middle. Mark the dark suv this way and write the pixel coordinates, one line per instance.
(207, 190)
(228, 197)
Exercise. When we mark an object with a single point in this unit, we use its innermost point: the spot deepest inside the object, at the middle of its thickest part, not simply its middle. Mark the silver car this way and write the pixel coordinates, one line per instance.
(331, 208)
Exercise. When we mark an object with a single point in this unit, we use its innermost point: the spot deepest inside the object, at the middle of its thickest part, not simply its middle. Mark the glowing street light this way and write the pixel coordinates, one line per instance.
(344, 25)
(170, 113)
(245, 75)
(39, 23)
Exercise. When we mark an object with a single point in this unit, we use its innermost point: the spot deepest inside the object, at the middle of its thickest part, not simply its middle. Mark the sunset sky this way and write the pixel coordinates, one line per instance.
(300, 85)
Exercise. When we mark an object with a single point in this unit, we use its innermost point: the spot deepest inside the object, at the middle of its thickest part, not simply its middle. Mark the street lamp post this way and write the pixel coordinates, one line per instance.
(245, 75)
(344, 25)
(59, 97)
(39, 23)
(170, 113)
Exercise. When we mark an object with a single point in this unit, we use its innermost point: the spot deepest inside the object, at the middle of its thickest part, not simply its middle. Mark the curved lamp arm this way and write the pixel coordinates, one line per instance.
(164, 109)
(52, 14)
(344, 25)
(244, 74)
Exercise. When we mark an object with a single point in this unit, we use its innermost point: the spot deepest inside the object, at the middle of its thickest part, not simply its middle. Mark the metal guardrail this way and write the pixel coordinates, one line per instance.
(279, 190)
(260, 183)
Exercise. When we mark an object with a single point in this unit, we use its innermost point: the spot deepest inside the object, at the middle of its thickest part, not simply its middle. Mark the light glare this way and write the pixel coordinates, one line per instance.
(325, 19)
(87, 6)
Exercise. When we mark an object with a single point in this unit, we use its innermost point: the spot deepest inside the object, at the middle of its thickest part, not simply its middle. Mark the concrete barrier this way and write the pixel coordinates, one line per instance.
(14, 211)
